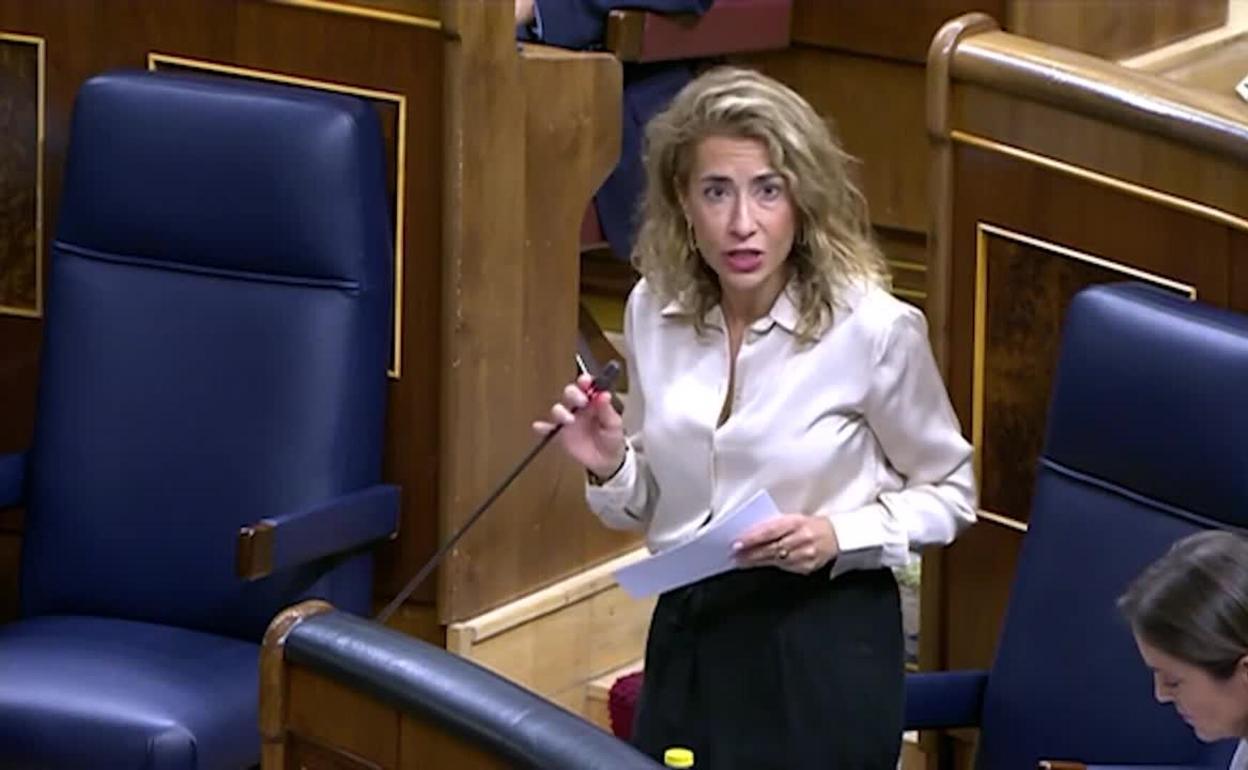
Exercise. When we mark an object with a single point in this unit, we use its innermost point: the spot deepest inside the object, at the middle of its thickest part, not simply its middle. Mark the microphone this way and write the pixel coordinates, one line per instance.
(603, 382)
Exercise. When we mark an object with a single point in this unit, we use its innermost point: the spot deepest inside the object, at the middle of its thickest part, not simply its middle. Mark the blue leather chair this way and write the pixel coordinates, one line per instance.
(214, 357)
(1146, 444)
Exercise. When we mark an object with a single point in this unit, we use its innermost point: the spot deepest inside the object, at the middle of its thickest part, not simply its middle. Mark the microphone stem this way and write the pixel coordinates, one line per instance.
(437, 557)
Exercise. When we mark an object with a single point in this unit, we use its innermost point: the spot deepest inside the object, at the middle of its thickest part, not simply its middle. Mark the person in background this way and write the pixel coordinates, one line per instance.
(765, 352)
(648, 88)
(1189, 614)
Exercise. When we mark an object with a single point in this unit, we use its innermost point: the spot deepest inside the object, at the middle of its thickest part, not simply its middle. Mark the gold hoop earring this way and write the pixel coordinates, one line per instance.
(691, 238)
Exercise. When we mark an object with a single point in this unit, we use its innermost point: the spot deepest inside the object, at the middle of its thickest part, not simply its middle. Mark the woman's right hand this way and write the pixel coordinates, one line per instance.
(594, 434)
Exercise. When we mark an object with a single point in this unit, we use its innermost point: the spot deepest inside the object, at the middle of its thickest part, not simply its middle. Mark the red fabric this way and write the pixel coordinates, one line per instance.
(622, 704)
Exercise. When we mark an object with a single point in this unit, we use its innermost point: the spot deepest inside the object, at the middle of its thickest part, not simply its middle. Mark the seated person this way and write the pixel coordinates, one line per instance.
(1189, 614)
(647, 89)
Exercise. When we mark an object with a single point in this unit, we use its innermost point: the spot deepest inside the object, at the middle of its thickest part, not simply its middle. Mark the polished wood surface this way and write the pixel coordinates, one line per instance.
(876, 108)
(1098, 89)
(1216, 68)
(1052, 171)
(1114, 30)
(511, 289)
(274, 706)
(902, 29)
(20, 65)
(892, 29)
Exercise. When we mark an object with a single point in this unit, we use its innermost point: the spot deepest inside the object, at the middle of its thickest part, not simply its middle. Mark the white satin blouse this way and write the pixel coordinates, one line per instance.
(855, 426)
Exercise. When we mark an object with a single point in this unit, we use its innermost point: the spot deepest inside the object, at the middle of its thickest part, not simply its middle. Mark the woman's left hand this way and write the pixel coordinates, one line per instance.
(791, 541)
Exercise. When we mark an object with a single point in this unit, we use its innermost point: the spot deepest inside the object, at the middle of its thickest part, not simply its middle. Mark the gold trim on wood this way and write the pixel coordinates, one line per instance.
(910, 293)
(396, 354)
(902, 264)
(41, 79)
(1122, 185)
(368, 13)
(1008, 522)
(982, 231)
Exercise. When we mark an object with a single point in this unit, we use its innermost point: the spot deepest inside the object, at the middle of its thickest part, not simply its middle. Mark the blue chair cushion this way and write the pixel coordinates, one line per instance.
(79, 692)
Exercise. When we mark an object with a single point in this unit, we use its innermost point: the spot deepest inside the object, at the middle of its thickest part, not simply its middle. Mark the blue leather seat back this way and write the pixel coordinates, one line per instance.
(215, 347)
(1145, 445)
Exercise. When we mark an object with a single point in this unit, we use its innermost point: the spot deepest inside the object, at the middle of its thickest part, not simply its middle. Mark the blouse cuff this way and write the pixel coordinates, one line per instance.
(861, 536)
(612, 496)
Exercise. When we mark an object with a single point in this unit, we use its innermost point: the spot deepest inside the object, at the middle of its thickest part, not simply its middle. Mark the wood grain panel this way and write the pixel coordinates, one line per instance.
(1025, 288)
(1239, 271)
(876, 107)
(1181, 169)
(303, 754)
(1216, 68)
(10, 563)
(906, 253)
(903, 29)
(517, 280)
(425, 747)
(19, 363)
(20, 226)
(978, 573)
(1079, 214)
(1114, 29)
(894, 29)
(362, 726)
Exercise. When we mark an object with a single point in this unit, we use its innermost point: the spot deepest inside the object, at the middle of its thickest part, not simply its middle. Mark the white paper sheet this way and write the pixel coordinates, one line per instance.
(708, 553)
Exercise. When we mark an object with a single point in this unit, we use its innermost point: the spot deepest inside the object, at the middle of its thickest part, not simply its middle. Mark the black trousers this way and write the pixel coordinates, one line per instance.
(757, 669)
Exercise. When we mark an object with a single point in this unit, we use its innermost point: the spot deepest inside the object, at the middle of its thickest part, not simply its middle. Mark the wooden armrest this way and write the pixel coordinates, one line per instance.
(728, 27)
(335, 526)
(1053, 764)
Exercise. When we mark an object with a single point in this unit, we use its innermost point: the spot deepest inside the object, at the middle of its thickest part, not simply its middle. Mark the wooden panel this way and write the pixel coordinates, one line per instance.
(561, 637)
(1239, 270)
(10, 563)
(416, 619)
(360, 726)
(425, 747)
(979, 570)
(414, 10)
(19, 364)
(302, 754)
(906, 253)
(21, 121)
(510, 364)
(1217, 68)
(1024, 287)
(876, 107)
(1076, 213)
(1114, 29)
(895, 29)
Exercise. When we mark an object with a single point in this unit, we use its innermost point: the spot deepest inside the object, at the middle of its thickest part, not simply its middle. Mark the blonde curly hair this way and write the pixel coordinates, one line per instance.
(834, 245)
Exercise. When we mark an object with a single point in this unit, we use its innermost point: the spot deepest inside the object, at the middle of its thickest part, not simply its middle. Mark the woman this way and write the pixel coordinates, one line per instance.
(1189, 614)
(766, 353)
